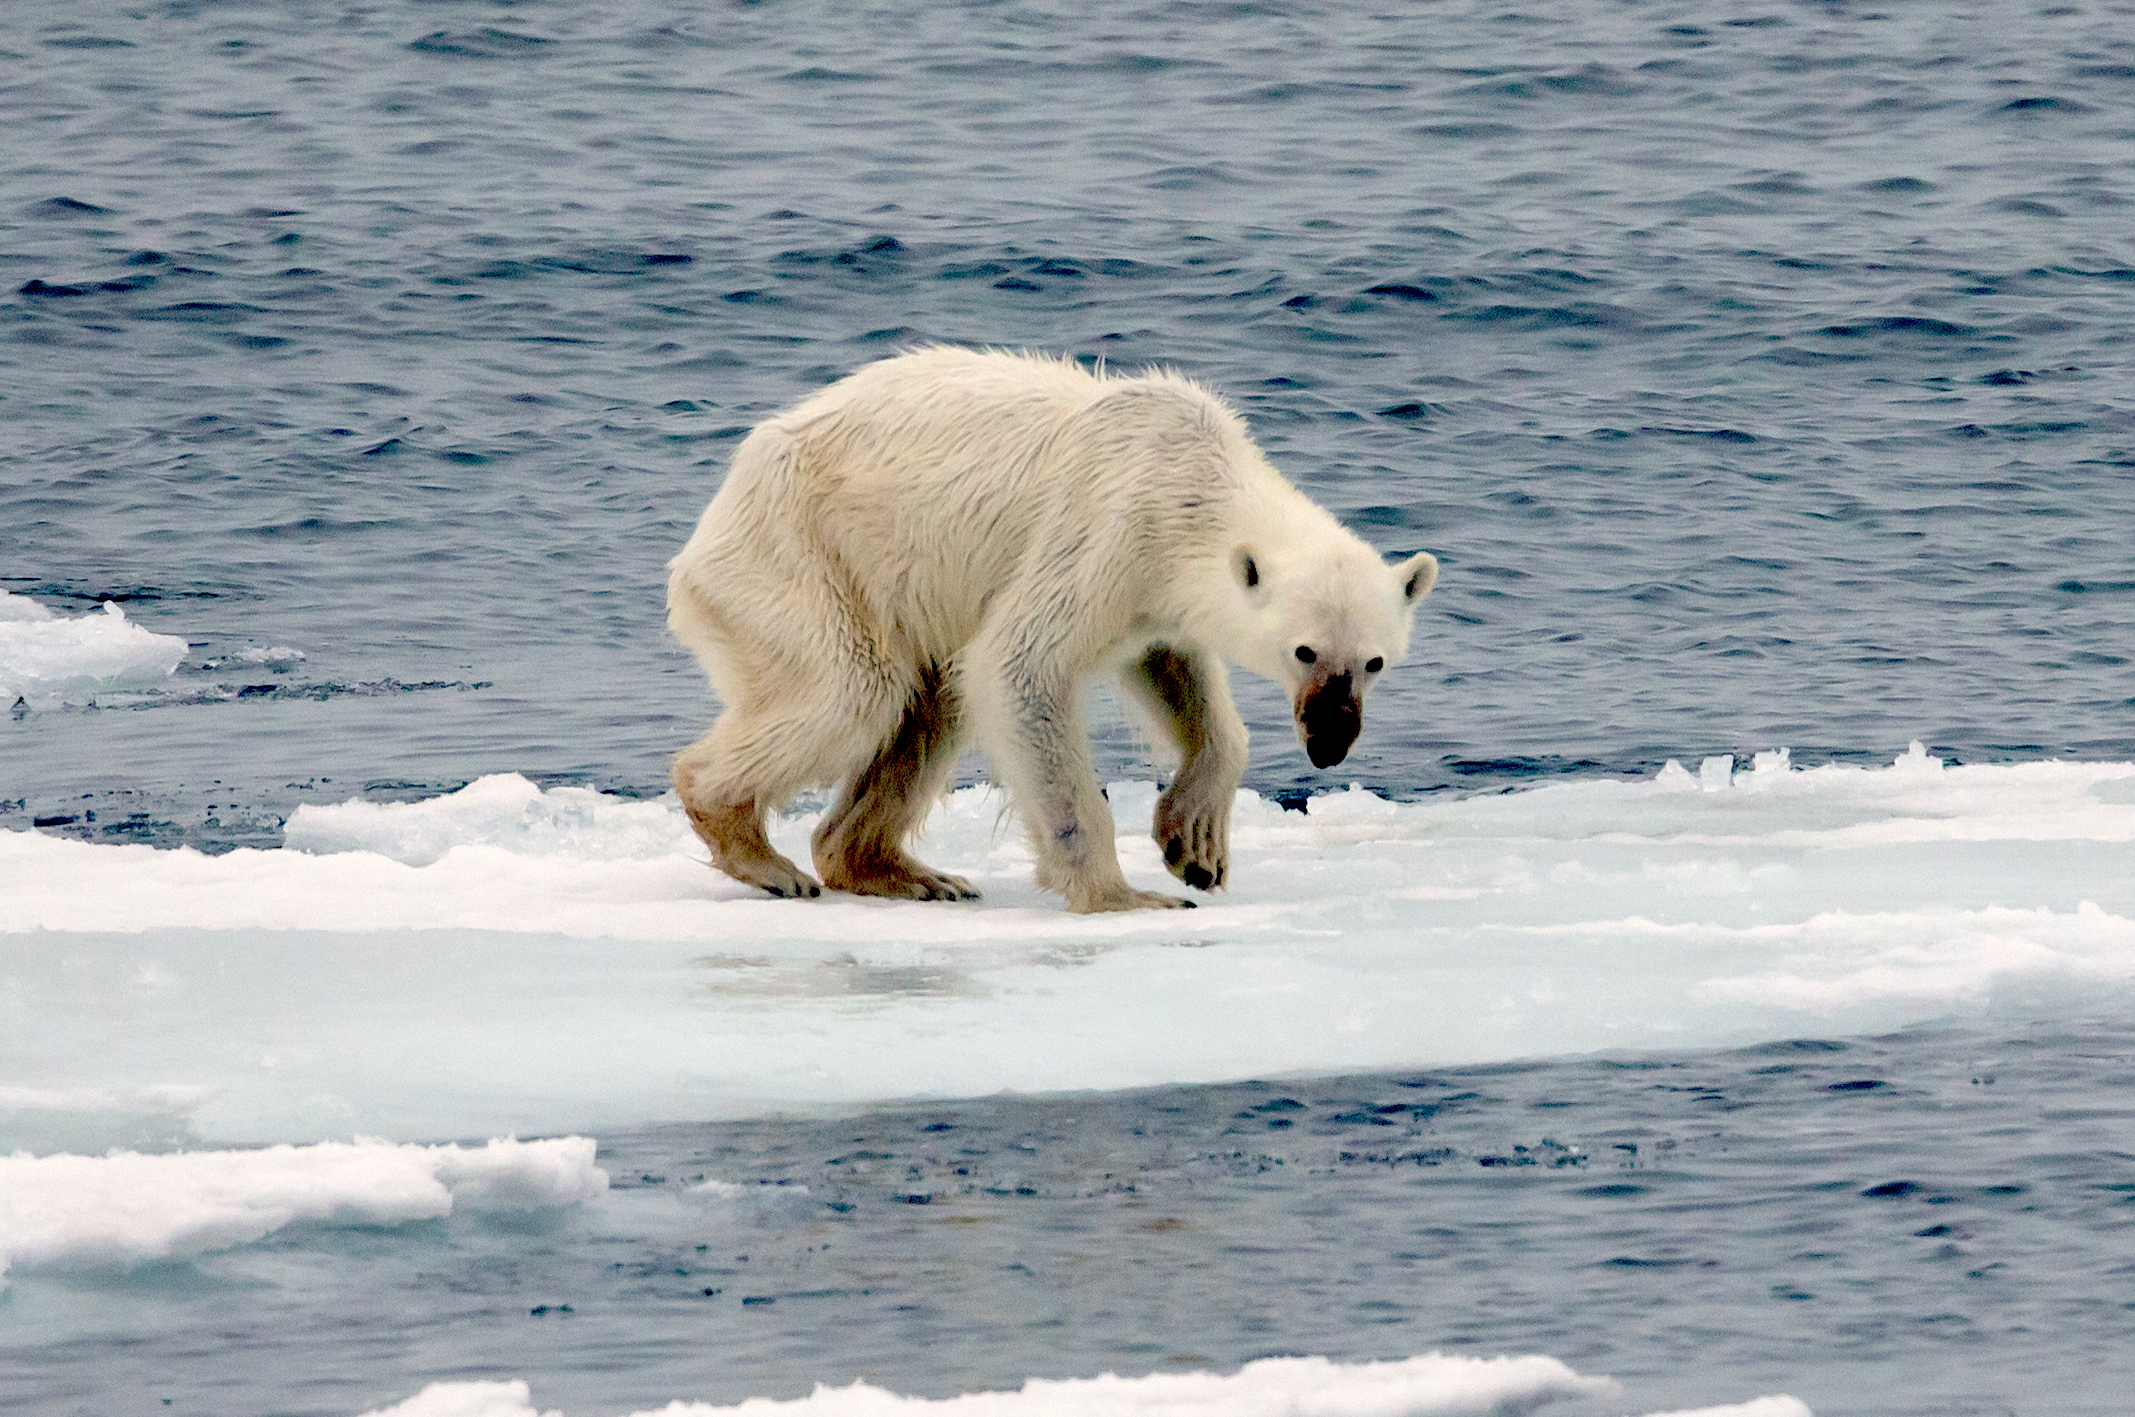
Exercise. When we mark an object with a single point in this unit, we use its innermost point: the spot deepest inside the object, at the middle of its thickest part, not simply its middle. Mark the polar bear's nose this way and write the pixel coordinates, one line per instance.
(1328, 717)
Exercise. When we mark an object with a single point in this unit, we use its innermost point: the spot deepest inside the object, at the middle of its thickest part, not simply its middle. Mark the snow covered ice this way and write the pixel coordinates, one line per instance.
(504, 959)
(1429, 1385)
(46, 659)
(127, 1208)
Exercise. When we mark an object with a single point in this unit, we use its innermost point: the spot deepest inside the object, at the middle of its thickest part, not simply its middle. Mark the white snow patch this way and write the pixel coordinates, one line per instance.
(280, 656)
(128, 1208)
(507, 958)
(20, 608)
(1432, 1385)
(504, 810)
(47, 659)
(1777, 1406)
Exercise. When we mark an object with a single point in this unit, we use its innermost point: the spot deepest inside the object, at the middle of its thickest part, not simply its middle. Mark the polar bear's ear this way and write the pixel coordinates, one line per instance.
(1247, 569)
(1418, 574)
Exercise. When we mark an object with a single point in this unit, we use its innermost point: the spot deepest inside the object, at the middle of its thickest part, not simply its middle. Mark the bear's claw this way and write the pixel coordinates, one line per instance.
(1123, 897)
(1196, 851)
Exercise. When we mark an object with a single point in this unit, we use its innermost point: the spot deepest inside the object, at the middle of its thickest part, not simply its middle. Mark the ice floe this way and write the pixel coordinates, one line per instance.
(47, 659)
(128, 1208)
(506, 958)
(1429, 1385)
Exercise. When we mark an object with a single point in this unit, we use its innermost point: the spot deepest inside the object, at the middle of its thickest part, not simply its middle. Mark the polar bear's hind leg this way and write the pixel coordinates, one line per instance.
(726, 802)
(860, 845)
(766, 748)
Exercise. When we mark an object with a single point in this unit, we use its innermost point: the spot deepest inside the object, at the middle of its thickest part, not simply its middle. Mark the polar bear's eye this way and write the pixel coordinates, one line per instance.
(1374, 665)
(1305, 654)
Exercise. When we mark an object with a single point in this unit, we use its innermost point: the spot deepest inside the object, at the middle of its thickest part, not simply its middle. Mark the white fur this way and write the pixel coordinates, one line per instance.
(952, 541)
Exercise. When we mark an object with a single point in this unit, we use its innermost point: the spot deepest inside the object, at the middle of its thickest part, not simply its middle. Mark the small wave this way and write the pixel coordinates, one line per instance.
(44, 290)
(1545, 317)
(2027, 206)
(486, 43)
(204, 312)
(2046, 104)
(1901, 325)
(1186, 177)
(1466, 132)
(66, 207)
(816, 74)
(1717, 435)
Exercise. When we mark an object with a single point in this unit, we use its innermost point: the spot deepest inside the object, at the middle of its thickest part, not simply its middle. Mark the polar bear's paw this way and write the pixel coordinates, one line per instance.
(1122, 897)
(903, 879)
(1195, 839)
(734, 831)
(780, 877)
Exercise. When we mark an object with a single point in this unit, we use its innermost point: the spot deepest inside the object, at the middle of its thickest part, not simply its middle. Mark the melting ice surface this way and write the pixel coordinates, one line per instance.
(47, 659)
(508, 959)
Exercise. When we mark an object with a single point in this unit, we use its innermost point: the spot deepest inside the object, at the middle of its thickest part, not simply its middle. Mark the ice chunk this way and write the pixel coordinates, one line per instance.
(280, 658)
(20, 608)
(128, 1208)
(47, 659)
(1915, 760)
(566, 960)
(1767, 770)
(1431, 1385)
(511, 1399)
(504, 810)
(272, 655)
(1673, 778)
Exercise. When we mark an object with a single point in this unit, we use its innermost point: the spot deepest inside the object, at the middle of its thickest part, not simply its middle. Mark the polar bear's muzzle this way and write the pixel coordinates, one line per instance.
(1329, 713)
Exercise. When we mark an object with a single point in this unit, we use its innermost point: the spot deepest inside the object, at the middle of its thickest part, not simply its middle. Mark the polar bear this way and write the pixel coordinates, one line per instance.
(953, 542)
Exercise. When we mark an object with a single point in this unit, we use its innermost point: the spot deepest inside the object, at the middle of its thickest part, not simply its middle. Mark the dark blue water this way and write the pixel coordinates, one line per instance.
(1759, 377)
(1758, 373)
(1933, 1224)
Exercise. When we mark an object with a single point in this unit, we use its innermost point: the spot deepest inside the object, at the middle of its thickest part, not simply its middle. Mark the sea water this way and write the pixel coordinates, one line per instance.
(1758, 376)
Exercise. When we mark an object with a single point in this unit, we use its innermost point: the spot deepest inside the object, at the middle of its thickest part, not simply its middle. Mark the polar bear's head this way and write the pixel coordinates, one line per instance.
(1328, 618)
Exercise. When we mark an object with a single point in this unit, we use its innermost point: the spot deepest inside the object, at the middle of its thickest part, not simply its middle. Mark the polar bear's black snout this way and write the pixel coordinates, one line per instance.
(1329, 714)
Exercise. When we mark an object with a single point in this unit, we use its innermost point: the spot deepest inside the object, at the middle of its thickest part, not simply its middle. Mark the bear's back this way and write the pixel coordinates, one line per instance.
(946, 397)
(936, 480)
(1007, 441)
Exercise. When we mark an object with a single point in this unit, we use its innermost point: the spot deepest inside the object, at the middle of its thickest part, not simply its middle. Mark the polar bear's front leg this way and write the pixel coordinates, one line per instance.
(1189, 695)
(1034, 734)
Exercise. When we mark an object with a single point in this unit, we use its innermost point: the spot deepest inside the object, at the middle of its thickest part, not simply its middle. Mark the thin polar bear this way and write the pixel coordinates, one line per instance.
(952, 543)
